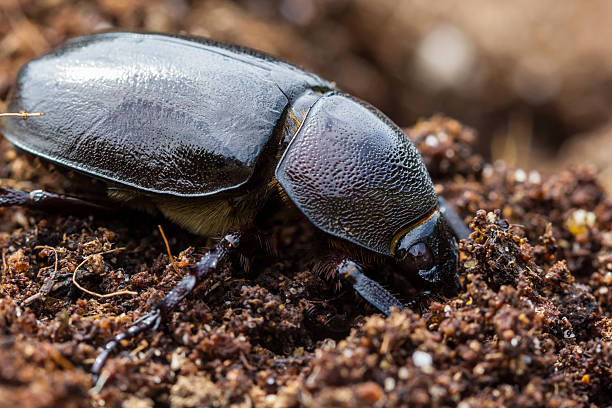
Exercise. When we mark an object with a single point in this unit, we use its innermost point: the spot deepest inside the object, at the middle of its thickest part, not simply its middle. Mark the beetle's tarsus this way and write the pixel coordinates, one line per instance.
(152, 320)
(42, 200)
(9, 198)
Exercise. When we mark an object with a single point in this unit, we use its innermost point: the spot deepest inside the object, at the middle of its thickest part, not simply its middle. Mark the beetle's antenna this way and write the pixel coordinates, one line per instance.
(23, 115)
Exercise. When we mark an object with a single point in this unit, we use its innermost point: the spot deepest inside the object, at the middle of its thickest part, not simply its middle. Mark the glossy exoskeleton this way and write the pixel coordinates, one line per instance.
(206, 133)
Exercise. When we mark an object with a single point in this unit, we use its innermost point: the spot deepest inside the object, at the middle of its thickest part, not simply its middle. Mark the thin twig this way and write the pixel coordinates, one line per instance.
(56, 259)
(161, 231)
(118, 293)
(46, 287)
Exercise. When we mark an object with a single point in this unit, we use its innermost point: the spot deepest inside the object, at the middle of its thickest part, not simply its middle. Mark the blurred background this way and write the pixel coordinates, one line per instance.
(533, 78)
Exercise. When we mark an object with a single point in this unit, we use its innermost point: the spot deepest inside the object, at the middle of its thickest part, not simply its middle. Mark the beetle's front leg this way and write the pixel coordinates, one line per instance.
(374, 292)
(453, 219)
(369, 289)
(204, 268)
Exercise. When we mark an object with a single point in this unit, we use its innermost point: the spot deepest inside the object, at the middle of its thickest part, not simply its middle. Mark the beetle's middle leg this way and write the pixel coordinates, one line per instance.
(203, 269)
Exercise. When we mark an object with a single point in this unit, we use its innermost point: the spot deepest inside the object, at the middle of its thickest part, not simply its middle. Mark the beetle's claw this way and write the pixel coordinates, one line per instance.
(151, 320)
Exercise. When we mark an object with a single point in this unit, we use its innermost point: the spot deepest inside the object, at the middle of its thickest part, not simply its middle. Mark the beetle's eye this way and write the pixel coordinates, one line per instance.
(420, 257)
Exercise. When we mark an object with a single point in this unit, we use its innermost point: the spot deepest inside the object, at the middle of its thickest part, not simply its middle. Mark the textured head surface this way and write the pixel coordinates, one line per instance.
(355, 174)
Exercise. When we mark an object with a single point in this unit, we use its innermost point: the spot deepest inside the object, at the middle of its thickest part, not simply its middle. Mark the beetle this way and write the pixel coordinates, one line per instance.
(206, 133)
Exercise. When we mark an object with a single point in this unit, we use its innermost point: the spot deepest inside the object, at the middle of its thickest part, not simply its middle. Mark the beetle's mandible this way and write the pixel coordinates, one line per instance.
(206, 133)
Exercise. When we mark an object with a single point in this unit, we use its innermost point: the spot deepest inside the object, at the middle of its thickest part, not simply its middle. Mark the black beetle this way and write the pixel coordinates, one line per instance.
(206, 133)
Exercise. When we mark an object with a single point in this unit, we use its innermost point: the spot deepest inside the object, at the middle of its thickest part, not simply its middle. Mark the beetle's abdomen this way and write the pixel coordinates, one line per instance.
(157, 113)
(355, 174)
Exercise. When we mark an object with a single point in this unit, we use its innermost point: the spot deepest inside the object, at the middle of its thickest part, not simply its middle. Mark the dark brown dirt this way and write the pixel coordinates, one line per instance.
(525, 331)
(532, 326)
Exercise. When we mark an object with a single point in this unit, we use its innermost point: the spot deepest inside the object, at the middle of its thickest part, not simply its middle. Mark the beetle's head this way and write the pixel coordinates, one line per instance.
(428, 248)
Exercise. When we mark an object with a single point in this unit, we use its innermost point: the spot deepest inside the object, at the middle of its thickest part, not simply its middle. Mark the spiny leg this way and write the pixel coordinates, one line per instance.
(203, 269)
(369, 289)
(43, 200)
(374, 292)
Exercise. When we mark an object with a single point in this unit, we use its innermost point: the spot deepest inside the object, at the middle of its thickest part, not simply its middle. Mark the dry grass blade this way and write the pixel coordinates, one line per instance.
(22, 115)
(161, 231)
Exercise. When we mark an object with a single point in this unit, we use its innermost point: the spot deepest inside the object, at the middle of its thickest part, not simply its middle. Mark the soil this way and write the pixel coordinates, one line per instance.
(532, 325)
